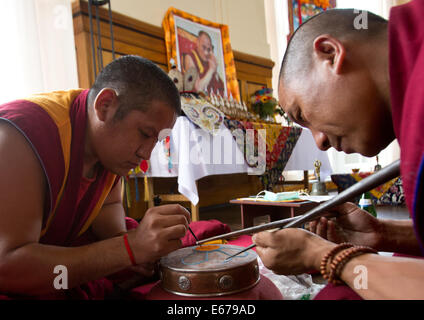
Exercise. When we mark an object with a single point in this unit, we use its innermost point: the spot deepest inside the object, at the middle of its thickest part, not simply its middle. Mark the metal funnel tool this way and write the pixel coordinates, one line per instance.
(390, 172)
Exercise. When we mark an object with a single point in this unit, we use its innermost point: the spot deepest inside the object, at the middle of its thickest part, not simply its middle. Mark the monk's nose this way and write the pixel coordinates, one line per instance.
(321, 140)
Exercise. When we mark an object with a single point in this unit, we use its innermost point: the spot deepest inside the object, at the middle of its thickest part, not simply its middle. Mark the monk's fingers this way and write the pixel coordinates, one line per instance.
(321, 229)
(332, 232)
(170, 209)
(174, 232)
(312, 226)
(154, 223)
(170, 220)
(155, 234)
(162, 247)
(273, 258)
(264, 253)
(264, 239)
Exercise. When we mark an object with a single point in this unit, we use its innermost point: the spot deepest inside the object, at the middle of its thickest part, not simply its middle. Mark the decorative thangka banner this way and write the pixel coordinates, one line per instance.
(302, 10)
(280, 142)
(390, 192)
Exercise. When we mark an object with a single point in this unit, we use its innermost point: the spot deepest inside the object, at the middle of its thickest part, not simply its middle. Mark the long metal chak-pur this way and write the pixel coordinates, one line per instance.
(386, 174)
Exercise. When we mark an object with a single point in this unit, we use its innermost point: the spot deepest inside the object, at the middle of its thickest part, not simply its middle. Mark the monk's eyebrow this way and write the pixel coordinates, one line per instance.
(150, 131)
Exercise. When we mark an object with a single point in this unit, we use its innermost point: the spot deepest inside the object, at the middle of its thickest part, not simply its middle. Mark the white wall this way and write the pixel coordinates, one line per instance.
(277, 23)
(339, 160)
(245, 18)
(39, 48)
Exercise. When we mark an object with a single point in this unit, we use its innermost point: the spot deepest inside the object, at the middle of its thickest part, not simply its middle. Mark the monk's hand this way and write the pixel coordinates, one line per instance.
(159, 233)
(291, 251)
(352, 224)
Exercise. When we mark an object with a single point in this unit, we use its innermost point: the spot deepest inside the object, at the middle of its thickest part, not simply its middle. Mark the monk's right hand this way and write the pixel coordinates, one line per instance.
(352, 224)
(159, 233)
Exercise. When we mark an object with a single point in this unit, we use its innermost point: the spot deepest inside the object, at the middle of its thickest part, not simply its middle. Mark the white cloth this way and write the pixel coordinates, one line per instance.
(196, 154)
(305, 153)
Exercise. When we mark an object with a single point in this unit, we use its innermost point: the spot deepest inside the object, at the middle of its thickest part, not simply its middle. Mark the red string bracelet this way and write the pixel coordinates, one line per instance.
(130, 253)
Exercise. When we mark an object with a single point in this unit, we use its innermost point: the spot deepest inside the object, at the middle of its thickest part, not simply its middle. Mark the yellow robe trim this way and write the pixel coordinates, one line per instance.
(199, 63)
(57, 105)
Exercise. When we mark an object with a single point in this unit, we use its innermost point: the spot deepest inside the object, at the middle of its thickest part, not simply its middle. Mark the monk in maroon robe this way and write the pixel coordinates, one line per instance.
(62, 225)
(357, 83)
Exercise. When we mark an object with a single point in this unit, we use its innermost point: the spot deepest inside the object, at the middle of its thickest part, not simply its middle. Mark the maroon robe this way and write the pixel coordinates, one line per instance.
(406, 32)
(406, 59)
(54, 124)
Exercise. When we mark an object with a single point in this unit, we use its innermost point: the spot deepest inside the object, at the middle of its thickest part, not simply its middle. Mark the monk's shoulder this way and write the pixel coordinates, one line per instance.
(22, 190)
(17, 156)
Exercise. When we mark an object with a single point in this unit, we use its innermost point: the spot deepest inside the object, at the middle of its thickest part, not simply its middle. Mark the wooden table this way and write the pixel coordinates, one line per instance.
(251, 209)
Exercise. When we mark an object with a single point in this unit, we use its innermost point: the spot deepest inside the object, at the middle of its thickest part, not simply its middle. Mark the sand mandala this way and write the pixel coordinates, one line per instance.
(206, 257)
(207, 250)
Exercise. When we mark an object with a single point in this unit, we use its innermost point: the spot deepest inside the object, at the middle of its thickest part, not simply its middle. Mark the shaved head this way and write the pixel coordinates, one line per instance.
(334, 80)
(139, 82)
(343, 24)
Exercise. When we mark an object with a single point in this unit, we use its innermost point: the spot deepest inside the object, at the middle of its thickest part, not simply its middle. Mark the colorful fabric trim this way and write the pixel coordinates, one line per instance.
(380, 190)
(390, 192)
(280, 142)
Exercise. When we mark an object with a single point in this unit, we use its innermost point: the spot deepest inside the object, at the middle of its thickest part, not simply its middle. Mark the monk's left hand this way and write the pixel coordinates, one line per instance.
(291, 251)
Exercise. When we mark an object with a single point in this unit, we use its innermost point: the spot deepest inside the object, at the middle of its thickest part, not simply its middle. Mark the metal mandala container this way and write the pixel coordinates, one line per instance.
(205, 271)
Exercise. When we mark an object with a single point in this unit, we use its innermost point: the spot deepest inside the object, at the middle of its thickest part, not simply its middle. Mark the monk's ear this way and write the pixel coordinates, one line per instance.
(105, 104)
(330, 51)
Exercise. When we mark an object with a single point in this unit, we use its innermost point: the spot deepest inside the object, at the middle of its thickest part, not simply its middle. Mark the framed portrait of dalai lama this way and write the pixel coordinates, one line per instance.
(201, 49)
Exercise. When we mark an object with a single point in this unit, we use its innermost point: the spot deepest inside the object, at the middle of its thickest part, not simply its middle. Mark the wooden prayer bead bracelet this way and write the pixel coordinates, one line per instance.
(330, 255)
(334, 261)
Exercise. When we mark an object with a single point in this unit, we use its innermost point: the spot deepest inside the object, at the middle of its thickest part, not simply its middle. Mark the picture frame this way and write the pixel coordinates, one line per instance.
(302, 10)
(197, 45)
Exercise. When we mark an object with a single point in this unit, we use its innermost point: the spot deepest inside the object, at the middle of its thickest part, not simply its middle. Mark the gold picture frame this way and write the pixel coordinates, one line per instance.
(193, 42)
